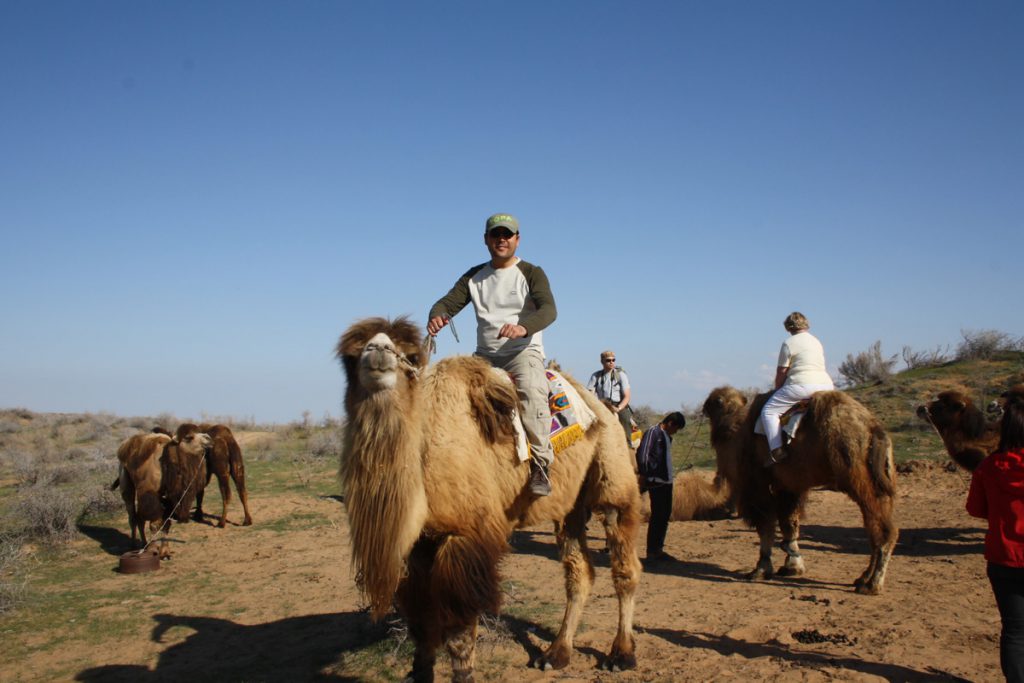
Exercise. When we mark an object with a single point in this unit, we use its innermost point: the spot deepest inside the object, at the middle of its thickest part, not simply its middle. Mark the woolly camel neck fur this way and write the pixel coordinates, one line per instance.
(433, 489)
(840, 445)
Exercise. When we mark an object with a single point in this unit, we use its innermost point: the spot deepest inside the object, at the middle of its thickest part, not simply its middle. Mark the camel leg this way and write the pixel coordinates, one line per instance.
(620, 533)
(789, 524)
(128, 496)
(225, 497)
(579, 577)
(461, 646)
(882, 534)
(238, 476)
(420, 607)
(200, 492)
(766, 532)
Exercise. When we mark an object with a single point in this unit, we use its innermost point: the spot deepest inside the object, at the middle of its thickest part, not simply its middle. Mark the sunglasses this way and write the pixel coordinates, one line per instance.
(501, 233)
(607, 360)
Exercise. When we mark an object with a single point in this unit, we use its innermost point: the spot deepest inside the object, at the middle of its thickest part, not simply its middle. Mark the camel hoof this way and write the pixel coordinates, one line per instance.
(790, 571)
(223, 523)
(620, 662)
(758, 575)
(867, 589)
(247, 522)
(552, 659)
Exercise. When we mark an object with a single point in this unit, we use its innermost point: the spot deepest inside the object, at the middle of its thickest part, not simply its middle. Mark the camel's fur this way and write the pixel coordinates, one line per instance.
(840, 445)
(433, 489)
(224, 460)
(967, 435)
(157, 473)
(694, 497)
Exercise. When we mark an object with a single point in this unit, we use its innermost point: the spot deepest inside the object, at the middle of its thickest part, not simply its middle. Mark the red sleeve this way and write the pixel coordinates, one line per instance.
(977, 504)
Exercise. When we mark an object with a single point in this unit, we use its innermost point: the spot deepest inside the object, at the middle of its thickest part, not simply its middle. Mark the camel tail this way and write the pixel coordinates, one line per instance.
(883, 470)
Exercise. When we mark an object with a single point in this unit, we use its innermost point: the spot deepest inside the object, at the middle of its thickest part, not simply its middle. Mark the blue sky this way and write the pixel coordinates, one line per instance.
(199, 197)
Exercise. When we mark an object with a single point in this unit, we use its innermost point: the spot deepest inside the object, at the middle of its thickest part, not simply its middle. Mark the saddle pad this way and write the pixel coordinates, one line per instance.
(571, 417)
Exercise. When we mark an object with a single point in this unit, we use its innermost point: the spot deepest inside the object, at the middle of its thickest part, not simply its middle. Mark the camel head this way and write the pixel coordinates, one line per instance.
(377, 354)
(953, 410)
(183, 466)
(724, 401)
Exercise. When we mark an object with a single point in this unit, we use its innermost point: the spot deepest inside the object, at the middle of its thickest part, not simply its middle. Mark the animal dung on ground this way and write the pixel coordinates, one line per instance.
(136, 563)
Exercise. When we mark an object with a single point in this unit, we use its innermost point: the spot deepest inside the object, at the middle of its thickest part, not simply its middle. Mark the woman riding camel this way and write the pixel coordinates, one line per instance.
(800, 373)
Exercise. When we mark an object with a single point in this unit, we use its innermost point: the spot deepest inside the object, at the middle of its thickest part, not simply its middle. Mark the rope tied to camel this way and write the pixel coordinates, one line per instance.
(403, 360)
(429, 345)
(167, 520)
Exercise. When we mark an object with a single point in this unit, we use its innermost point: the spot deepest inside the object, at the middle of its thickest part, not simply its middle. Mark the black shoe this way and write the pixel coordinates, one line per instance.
(776, 455)
(658, 558)
(540, 485)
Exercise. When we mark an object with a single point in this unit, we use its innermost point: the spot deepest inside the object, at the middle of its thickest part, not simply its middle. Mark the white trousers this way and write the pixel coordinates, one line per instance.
(783, 398)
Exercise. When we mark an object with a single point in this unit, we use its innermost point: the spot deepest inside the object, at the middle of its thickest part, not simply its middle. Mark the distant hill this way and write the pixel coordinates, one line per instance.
(895, 400)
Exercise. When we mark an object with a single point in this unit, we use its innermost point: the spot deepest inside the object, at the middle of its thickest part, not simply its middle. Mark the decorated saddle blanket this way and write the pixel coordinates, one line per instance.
(790, 420)
(571, 417)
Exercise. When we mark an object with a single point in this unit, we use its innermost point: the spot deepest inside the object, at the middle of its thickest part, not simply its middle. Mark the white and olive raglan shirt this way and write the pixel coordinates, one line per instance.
(517, 295)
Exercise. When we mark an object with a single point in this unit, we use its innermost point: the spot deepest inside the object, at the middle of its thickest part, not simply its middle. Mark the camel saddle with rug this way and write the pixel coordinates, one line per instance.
(789, 420)
(571, 417)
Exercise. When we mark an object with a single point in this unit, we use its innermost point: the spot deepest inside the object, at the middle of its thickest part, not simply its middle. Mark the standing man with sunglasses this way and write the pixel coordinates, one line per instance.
(611, 386)
(513, 303)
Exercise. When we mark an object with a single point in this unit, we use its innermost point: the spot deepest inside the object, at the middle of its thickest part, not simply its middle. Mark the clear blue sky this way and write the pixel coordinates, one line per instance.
(199, 197)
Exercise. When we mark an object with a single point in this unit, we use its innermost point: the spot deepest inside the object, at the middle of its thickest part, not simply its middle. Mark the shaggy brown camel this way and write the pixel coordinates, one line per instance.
(223, 460)
(433, 489)
(158, 476)
(839, 445)
(966, 433)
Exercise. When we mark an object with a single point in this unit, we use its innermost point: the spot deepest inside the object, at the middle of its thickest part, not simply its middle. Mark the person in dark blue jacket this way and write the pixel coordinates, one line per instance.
(654, 465)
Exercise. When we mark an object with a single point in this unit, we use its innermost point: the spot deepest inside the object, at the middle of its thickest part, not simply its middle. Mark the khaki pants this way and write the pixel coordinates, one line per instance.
(624, 419)
(527, 369)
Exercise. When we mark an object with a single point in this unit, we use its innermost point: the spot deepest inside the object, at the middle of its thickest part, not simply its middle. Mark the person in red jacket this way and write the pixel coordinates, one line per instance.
(997, 494)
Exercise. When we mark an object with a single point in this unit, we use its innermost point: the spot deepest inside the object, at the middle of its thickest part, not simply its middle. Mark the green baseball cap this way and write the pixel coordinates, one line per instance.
(502, 220)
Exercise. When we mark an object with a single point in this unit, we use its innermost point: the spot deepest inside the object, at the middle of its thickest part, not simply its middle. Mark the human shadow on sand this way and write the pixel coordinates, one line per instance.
(727, 646)
(293, 649)
(914, 542)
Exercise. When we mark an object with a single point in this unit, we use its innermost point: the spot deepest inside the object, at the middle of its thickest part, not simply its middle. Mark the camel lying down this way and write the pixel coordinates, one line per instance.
(433, 489)
(840, 445)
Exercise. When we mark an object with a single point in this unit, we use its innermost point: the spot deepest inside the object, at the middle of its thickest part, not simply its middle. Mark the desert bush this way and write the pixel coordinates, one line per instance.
(12, 582)
(645, 416)
(101, 501)
(325, 443)
(867, 366)
(925, 359)
(47, 513)
(983, 344)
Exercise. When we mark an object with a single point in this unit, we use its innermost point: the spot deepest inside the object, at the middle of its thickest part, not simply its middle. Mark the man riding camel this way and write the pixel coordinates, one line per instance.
(513, 303)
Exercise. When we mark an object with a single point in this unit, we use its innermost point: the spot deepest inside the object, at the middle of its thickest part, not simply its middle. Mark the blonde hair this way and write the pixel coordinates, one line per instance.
(607, 354)
(796, 321)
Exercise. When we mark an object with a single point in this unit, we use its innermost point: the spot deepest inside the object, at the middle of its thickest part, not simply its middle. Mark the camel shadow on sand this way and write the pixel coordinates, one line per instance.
(112, 541)
(914, 542)
(727, 646)
(307, 648)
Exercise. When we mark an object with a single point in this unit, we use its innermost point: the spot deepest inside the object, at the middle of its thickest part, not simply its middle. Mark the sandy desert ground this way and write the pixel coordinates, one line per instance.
(276, 602)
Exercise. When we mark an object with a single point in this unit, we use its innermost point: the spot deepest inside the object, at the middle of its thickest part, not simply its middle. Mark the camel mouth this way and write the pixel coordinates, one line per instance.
(377, 379)
(923, 412)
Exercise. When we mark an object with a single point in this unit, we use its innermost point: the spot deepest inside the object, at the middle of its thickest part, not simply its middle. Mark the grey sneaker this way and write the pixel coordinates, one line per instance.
(540, 485)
